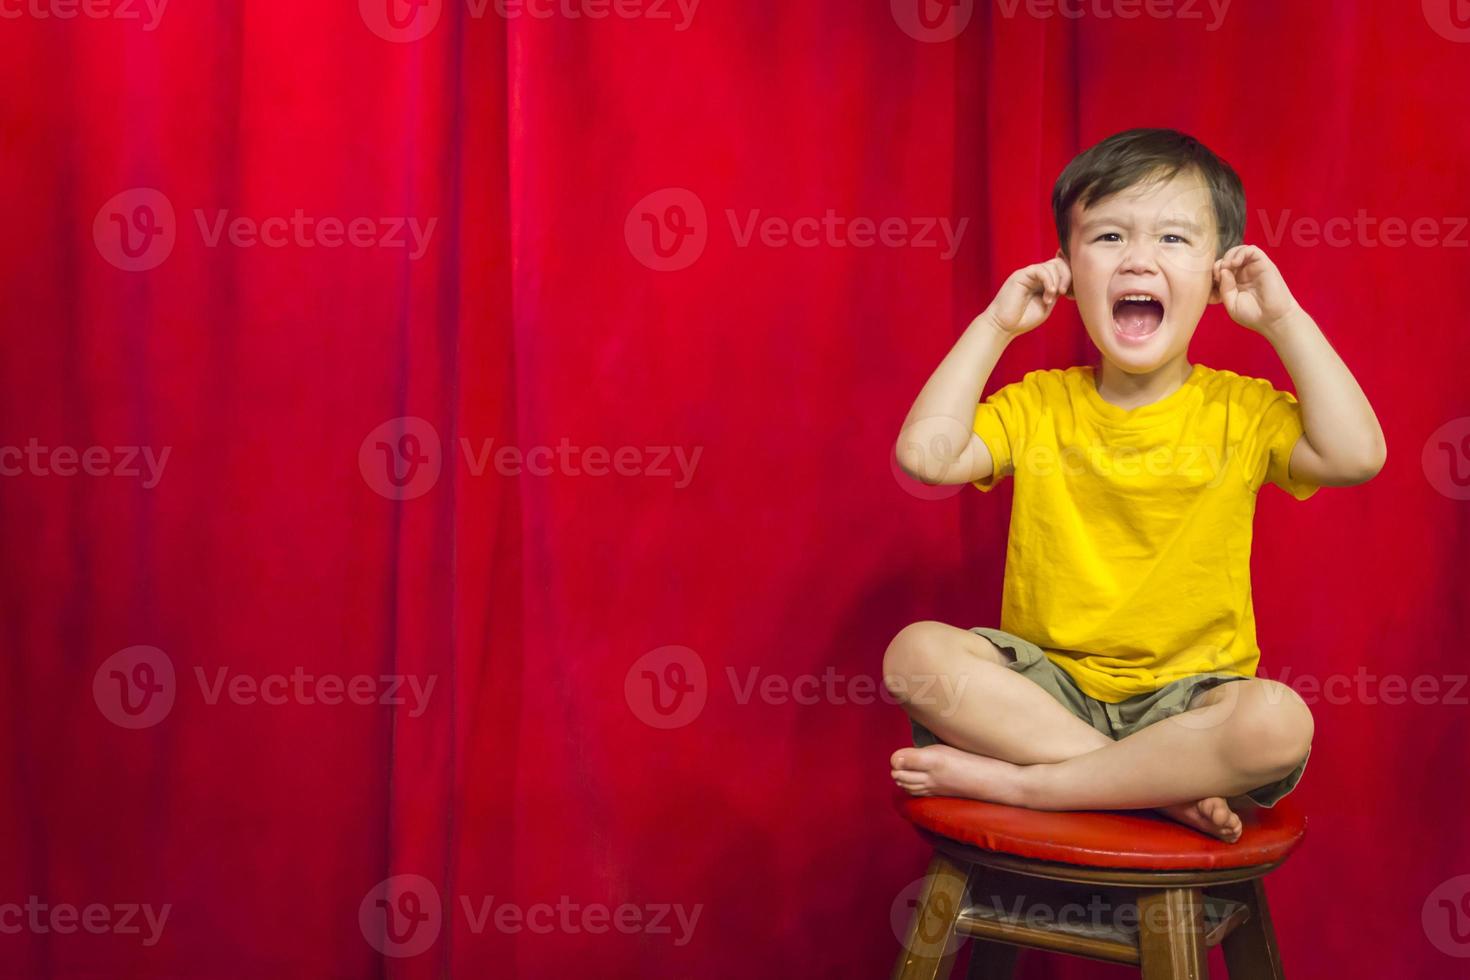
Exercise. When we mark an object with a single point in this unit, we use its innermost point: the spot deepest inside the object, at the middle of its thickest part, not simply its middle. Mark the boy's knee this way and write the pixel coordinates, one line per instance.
(1272, 726)
(912, 652)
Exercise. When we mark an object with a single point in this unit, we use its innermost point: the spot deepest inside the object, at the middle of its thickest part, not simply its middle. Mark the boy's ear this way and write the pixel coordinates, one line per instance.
(1070, 293)
(1215, 296)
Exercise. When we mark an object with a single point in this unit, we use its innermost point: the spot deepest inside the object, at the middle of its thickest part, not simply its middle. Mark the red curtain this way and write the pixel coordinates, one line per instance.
(448, 506)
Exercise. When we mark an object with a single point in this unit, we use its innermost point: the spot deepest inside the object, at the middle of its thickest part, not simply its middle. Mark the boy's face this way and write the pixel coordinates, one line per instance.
(1156, 240)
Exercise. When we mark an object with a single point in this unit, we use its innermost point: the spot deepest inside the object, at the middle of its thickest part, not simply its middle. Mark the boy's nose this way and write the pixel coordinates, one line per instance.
(1139, 258)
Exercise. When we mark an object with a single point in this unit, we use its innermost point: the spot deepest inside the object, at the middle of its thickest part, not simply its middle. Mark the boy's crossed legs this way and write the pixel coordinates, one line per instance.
(1009, 741)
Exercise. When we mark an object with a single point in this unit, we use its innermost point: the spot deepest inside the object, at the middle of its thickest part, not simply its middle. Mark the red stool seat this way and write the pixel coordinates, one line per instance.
(1133, 839)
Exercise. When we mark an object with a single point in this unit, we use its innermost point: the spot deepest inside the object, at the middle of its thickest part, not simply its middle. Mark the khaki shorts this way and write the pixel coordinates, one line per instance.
(1121, 719)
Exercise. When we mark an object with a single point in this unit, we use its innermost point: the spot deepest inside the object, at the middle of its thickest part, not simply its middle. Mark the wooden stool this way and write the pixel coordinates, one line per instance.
(1151, 892)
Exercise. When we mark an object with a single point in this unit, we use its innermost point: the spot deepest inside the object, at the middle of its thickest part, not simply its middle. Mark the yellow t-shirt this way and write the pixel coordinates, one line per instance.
(1128, 560)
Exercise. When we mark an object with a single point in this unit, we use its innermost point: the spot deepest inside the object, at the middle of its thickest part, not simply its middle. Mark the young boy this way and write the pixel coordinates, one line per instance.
(1123, 674)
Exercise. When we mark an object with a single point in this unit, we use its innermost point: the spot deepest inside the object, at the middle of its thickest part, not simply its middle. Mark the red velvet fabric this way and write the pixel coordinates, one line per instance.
(541, 770)
(1108, 838)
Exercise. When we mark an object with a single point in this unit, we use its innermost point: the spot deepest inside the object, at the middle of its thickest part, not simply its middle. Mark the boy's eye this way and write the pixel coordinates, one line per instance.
(1176, 238)
(1108, 235)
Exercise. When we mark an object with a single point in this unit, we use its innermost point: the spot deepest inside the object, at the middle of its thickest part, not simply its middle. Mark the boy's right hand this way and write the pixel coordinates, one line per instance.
(1027, 298)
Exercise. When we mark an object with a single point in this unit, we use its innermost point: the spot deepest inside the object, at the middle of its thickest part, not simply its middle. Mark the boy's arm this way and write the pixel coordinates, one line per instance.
(938, 444)
(1342, 442)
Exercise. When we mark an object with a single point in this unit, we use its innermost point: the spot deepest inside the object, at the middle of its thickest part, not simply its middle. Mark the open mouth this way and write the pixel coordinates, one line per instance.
(1136, 316)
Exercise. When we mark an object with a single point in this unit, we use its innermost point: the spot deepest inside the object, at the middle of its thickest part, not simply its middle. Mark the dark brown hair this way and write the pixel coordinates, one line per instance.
(1140, 155)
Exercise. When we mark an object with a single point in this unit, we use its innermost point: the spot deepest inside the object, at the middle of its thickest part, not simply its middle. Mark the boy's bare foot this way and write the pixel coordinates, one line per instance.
(942, 770)
(1211, 815)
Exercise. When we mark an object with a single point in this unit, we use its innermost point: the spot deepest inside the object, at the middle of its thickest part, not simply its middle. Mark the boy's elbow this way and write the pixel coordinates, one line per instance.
(916, 465)
(1376, 458)
(908, 455)
(1370, 465)
(929, 469)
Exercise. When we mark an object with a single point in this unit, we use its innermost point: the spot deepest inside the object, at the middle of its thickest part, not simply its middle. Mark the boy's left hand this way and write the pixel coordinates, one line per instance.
(1252, 289)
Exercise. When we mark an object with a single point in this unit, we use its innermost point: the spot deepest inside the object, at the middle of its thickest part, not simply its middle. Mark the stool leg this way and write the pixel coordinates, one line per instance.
(1250, 949)
(929, 948)
(992, 961)
(1171, 935)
